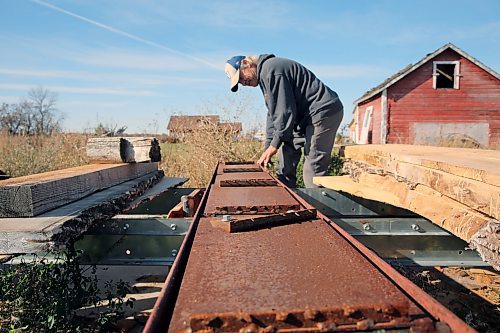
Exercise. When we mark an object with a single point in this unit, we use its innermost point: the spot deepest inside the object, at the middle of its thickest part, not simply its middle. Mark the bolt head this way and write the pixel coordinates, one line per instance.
(174, 253)
(173, 226)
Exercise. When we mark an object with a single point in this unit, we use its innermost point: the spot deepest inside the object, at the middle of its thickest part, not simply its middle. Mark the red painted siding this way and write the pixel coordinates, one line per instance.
(413, 101)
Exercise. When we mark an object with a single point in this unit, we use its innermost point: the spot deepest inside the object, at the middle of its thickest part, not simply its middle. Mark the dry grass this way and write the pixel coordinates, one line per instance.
(198, 154)
(25, 155)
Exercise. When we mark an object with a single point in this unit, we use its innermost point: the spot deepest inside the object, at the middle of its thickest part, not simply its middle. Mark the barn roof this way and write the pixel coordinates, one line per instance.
(233, 127)
(182, 123)
(410, 68)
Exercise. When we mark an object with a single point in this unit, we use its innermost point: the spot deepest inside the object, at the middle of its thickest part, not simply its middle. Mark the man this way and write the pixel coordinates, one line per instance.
(302, 113)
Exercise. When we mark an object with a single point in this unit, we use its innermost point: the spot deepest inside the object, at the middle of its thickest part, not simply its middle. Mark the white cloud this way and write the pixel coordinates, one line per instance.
(126, 59)
(348, 71)
(122, 33)
(79, 90)
(110, 78)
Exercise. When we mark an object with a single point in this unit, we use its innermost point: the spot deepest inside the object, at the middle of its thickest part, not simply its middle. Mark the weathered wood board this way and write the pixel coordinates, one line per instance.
(123, 149)
(477, 164)
(32, 195)
(477, 195)
(60, 226)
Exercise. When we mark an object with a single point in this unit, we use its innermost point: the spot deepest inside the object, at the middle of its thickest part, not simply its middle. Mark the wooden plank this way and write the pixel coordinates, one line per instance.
(123, 149)
(62, 225)
(32, 195)
(472, 193)
(447, 213)
(242, 224)
(477, 164)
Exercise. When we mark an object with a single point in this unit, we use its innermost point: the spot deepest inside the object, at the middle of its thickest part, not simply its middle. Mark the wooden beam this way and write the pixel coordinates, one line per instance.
(475, 194)
(123, 149)
(62, 225)
(32, 195)
(477, 164)
(449, 214)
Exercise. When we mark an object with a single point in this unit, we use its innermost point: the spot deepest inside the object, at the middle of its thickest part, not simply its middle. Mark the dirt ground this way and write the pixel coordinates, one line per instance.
(473, 294)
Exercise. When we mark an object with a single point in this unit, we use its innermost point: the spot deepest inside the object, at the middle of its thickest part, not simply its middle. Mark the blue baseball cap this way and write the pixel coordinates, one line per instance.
(232, 70)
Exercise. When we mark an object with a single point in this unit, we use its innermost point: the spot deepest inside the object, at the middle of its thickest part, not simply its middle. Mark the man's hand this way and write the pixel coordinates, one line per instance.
(266, 156)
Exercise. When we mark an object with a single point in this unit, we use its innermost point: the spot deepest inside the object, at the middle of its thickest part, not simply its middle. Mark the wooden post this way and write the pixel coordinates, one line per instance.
(123, 149)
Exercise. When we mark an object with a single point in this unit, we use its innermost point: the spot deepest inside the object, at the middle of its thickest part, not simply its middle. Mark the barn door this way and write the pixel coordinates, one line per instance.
(367, 122)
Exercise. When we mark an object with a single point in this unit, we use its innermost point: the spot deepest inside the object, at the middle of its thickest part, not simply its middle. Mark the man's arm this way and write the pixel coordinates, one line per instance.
(282, 108)
(269, 130)
(280, 117)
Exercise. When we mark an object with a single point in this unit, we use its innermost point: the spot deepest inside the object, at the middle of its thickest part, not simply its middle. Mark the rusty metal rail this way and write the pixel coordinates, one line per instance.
(307, 276)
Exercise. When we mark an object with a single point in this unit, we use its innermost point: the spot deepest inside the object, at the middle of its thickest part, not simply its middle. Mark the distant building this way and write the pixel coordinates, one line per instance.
(447, 96)
(178, 126)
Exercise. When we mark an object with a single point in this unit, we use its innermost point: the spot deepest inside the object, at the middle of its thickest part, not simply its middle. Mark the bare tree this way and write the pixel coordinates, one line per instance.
(35, 114)
(43, 106)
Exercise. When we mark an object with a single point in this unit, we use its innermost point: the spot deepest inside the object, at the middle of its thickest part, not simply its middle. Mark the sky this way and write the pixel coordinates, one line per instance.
(135, 63)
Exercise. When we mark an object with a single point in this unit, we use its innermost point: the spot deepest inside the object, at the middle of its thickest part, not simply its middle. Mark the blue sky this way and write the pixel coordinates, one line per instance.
(134, 63)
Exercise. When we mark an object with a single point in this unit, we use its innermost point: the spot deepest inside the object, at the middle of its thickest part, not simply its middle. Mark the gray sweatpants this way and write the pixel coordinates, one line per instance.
(317, 142)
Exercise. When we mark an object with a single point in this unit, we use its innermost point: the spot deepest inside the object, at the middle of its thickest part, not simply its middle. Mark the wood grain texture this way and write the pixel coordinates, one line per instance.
(477, 195)
(32, 195)
(477, 164)
(62, 225)
(123, 149)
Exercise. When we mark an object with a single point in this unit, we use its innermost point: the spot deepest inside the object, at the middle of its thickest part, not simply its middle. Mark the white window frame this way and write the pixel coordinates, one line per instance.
(456, 74)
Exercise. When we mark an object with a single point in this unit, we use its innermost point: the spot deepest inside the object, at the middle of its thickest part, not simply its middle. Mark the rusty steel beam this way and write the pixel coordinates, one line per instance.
(250, 200)
(427, 302)
(299, 277)
(241, 169)
(240, 223)
(244, 175)
(246, 182)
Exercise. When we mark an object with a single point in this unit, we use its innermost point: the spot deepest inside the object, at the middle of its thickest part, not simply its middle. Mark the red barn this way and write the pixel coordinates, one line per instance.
(447, 98)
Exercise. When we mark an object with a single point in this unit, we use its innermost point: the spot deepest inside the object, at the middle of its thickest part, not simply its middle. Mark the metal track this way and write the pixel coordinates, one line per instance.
(308, 276)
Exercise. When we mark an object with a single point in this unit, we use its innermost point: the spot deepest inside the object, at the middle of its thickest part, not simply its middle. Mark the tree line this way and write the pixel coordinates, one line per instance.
(34, 114)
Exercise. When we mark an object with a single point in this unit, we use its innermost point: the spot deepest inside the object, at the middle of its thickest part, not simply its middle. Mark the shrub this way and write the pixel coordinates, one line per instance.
(39, 295)
(197, 155)
(30, 154)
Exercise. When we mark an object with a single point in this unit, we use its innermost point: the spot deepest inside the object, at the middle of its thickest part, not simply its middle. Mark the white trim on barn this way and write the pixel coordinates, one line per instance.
(383, 118)
(456, 74)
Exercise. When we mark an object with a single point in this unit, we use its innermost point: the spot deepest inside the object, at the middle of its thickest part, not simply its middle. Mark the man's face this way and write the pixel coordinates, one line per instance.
(248, 74)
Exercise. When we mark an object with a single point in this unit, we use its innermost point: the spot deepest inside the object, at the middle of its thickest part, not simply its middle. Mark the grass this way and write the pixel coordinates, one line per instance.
(200, 151)
(30, 154)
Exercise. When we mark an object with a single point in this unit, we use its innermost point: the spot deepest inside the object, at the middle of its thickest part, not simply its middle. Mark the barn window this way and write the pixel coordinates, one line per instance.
(446, 74)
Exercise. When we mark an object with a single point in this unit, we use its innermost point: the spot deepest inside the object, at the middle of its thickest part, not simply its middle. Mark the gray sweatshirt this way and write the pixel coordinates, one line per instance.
(294, 96)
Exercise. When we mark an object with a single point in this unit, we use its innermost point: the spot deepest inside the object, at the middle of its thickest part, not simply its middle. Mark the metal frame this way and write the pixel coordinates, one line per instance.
(433, 307)
(162, 312)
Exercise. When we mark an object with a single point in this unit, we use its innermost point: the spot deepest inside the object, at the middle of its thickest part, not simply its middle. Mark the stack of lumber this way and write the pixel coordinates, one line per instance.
(38, 212)
(455, 188)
